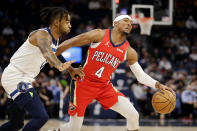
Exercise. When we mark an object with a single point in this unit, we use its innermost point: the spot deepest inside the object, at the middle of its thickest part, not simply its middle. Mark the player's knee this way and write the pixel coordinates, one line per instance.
(44, 118)
(134, 116)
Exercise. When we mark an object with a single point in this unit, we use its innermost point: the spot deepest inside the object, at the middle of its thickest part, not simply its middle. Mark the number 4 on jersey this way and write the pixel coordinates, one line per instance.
(99, 72)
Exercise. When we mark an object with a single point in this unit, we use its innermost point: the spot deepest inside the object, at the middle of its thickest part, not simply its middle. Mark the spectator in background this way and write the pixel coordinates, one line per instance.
(140, 93)
(90, 26)
(3, 41)
(154, 71)
(181, 68)
(180, 85)
(3, 99)
(193, 54)
(106, 21)
(65, 89)
(156, 54)
(80, 29)
(188, 98)
(145, 60)
(8, 31)
(55, 87)
(190, 65)
(190, 23)
(94, 5)
(179, 56)
(46, 97)
(183, 47)
(165, 64)
(51, 75)
(175, 40)
(170, 55)
(178, 110)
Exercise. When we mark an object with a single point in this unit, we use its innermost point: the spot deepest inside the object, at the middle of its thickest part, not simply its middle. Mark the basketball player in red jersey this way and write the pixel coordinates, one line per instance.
(108, 49)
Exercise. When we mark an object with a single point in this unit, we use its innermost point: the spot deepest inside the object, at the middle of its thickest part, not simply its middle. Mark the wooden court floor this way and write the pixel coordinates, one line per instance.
(53, 124)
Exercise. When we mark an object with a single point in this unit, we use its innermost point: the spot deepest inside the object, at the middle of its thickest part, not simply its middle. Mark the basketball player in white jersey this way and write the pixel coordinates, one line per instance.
(26, 63)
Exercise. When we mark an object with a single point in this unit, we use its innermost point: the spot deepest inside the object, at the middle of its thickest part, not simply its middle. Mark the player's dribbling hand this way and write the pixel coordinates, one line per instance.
(65, 65)
(76, 72)
(163, 87)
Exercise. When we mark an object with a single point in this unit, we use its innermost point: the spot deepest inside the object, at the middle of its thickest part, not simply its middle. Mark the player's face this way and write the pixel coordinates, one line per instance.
(65, 25)
(125, 25)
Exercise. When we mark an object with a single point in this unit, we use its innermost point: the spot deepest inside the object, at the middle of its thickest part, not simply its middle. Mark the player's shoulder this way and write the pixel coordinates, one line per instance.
(41, 33)
(100, 31)
(38, 34)
(97, 34)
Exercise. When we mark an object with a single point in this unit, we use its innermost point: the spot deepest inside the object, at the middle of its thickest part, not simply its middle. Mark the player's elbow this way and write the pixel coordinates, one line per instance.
(140, 79)
(59, 51)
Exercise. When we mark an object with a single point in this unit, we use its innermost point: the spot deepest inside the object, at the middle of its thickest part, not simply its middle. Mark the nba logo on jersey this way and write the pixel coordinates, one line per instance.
(107, 44)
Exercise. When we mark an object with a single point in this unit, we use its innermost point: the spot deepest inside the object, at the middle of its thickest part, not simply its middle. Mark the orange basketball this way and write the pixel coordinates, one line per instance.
(163, 102)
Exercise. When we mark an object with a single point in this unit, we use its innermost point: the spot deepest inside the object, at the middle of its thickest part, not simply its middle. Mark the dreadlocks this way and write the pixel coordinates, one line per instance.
(48, 14)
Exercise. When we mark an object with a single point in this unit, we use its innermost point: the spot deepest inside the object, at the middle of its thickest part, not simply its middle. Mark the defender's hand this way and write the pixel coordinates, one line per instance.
(65, 66)
(163, 87)
(76, 72)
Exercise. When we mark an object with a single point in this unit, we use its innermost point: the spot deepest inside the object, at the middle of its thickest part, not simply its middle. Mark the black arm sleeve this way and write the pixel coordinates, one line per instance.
(61, 58)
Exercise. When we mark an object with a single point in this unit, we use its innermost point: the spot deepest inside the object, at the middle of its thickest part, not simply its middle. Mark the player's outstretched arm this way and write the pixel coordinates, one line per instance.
(141, 76)
(43, 40)
(82, 39)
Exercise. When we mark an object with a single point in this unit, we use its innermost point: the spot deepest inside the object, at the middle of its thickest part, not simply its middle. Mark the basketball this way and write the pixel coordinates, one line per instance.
(163, 102)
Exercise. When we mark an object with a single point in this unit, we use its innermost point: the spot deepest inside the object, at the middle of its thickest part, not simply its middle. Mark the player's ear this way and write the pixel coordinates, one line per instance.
(115, 23)
(56, 22)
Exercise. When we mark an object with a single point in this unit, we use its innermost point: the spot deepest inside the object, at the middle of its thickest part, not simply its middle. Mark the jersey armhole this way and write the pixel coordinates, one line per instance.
(125, 56)
(94, 45)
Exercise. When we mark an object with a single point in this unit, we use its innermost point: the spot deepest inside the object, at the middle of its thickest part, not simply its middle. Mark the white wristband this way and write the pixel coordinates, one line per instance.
(141, 76)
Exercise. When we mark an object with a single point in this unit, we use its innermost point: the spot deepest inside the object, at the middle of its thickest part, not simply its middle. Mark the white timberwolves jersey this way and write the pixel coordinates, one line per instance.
(29, 59)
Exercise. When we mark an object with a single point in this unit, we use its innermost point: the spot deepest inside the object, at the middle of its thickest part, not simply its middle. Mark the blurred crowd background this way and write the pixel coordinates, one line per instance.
(168, 55)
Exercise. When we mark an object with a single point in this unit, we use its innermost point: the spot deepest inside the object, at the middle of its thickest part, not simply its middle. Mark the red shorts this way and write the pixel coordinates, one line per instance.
(83, 92)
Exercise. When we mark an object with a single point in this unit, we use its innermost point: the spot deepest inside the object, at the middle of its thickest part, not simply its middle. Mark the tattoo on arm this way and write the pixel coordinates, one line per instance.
(44, 45)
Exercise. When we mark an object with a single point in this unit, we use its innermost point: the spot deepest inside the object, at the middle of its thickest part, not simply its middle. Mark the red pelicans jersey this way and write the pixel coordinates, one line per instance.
(103, 58)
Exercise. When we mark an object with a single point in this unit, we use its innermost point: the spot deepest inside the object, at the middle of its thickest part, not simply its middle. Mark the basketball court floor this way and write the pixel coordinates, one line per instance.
(54, 123)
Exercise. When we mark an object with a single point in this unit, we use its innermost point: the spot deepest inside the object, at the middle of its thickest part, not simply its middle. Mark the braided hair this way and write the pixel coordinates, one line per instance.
(48, 14)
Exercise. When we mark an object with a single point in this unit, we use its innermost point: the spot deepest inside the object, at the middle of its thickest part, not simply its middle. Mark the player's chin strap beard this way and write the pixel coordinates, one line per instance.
(125, 33)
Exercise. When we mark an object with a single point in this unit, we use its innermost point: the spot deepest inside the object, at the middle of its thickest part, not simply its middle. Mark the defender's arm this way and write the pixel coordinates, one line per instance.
(43, 40)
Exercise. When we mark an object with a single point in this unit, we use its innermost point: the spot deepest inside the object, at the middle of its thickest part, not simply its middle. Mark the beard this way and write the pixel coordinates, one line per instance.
(125, 33)
(63, 31)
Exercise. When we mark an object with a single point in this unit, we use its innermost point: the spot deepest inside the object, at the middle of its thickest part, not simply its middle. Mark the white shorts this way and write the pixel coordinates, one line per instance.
(11, 77)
